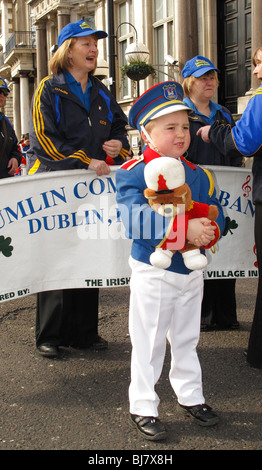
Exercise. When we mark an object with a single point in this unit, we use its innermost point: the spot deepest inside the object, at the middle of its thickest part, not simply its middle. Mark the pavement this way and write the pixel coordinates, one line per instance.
(79, 401)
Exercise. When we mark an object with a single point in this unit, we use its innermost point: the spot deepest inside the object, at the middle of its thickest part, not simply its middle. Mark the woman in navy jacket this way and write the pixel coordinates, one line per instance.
(200, 84)
(75, 123)
(65, 134)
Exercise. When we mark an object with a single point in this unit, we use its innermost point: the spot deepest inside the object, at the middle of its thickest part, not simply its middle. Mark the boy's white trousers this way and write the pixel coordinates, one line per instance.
(164, 305)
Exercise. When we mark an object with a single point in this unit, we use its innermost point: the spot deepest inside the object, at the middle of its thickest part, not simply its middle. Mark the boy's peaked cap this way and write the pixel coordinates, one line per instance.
(163, 98)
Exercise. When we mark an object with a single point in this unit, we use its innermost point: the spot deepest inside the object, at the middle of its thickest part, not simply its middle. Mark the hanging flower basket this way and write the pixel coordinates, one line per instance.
(137, 70)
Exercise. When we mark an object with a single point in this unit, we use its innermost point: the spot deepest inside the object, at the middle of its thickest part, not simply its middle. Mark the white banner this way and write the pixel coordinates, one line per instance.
(234, 256)
(63, 230)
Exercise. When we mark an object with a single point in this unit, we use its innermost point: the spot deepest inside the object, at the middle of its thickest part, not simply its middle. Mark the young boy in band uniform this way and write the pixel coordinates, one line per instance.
(164, 303)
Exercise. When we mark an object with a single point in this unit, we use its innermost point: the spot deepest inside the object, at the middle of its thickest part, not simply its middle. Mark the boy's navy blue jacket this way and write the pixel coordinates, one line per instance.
(205, 154)
(64, 135)
(11, 149)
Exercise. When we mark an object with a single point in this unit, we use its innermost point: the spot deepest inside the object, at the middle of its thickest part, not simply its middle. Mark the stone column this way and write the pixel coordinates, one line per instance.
(63, 18)
(256, 34)
(209, 17)
(24, 103)
(16, 108)
(41, 55)
(186, 39)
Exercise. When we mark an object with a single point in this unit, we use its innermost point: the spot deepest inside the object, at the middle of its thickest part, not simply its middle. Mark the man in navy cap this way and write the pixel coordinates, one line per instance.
(3, 87)
(10, 157)
(164, 303)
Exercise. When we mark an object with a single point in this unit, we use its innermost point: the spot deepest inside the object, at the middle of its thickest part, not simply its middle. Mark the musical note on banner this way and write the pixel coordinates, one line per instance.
(246, 187)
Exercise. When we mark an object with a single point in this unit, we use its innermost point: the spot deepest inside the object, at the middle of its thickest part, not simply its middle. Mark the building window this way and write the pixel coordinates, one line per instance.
(163, 25)
(125, 36)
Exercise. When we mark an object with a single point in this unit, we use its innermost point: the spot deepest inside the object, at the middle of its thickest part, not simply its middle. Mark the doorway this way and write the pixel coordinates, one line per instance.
(234, 50)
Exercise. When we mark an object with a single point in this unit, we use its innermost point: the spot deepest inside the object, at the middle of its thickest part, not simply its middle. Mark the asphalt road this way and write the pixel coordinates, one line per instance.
(79, 401)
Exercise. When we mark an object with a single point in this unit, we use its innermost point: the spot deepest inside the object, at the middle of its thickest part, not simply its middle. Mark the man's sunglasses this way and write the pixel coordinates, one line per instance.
(3, 92)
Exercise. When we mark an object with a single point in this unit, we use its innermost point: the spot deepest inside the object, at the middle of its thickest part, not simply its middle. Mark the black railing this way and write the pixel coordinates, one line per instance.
(20, 39)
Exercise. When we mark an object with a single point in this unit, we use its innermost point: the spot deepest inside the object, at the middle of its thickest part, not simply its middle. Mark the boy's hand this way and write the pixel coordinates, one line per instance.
(200, 232)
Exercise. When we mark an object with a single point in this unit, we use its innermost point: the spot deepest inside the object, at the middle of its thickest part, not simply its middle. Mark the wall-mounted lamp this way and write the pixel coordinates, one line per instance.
(136, 50)
(137, 57)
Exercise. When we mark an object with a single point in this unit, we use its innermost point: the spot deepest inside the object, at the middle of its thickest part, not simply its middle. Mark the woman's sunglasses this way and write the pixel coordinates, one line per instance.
(3, 92)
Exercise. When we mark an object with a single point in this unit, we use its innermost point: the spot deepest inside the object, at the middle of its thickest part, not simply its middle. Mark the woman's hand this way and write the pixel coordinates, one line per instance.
(203, 132)
(112, 147)
(12, 166)
(99, 166)
(200, 232)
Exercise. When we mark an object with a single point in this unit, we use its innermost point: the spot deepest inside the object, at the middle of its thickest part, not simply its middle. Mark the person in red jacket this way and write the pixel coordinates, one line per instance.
(23, 146)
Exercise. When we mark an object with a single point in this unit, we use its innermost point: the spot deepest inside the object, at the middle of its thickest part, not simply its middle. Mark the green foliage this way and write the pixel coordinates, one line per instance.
(137, 70)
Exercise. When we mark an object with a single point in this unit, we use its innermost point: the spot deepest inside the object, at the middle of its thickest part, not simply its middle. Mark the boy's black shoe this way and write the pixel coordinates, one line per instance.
(203, 414)
(150, 428)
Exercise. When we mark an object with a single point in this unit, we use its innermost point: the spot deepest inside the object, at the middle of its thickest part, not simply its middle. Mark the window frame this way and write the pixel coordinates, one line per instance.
(163, 70)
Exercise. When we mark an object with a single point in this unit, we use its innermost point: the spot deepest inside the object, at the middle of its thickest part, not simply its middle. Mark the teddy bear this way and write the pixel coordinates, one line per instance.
(170, 196)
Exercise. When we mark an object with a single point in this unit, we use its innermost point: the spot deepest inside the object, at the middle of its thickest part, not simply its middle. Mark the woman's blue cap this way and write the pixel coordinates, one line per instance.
(163, 98)
(197, 67)
(75, 30)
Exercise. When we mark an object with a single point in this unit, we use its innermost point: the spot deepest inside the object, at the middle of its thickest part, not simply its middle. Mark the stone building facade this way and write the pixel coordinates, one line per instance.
(172, 31)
